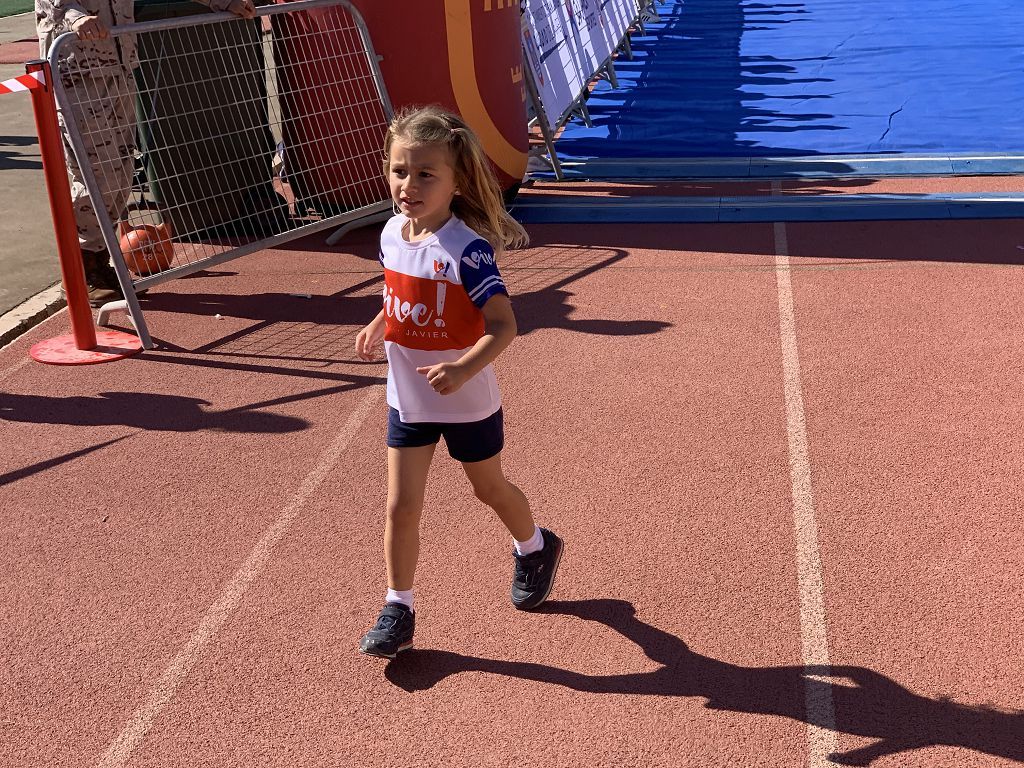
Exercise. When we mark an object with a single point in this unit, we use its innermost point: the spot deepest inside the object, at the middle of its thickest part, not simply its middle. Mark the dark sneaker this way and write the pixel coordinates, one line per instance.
(392, 633)
(535, 573)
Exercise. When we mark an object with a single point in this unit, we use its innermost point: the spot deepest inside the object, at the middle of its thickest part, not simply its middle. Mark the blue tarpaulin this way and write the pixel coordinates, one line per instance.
(723, 78)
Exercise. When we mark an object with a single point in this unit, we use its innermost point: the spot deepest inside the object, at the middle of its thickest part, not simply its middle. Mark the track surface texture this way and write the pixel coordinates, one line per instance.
(785, 460)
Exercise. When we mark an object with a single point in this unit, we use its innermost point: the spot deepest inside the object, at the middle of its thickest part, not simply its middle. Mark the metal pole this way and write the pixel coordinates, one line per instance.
(68, 250)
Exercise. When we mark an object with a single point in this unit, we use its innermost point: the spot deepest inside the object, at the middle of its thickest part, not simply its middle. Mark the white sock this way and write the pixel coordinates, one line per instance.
(534, 544)
(403, 596)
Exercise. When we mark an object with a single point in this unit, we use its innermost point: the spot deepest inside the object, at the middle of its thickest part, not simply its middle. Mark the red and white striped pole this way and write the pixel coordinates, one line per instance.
(84, 345)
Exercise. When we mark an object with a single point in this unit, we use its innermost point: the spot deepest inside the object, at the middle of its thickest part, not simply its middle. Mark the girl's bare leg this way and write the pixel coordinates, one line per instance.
(492, 488)
(407, 481)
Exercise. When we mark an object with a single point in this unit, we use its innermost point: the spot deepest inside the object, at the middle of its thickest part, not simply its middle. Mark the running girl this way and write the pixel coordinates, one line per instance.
(446, 317)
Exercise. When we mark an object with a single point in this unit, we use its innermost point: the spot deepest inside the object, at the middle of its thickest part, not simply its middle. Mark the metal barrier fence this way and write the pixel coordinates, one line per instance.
(565, 51)
(230, 136)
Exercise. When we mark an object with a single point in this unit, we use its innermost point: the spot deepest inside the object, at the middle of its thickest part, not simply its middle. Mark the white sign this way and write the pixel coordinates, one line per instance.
(567, 41)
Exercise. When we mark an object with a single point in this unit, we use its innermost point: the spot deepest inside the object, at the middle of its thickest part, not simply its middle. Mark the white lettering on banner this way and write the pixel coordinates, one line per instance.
(567, 41)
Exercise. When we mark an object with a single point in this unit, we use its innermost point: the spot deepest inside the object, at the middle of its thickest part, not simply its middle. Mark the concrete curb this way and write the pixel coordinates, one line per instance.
(30, 313)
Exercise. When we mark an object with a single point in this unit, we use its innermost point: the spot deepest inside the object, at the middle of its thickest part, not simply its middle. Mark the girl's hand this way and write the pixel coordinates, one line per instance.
(90, 28)
(367, 339)
(445, 378)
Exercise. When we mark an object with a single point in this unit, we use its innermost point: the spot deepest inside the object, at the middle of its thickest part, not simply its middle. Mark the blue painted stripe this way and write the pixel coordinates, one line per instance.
(838, 166)
(537, 209)
(993, 164)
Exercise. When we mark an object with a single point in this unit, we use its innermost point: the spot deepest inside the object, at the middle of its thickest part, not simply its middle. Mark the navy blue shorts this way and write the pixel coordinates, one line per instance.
(470, 441)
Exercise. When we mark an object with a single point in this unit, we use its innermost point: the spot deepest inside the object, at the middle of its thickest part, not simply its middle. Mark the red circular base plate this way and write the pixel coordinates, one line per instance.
(110, 345)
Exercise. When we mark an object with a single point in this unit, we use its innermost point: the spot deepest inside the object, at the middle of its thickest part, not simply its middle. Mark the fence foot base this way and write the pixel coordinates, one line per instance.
(104, 313)
(110, 346)
(365, 221)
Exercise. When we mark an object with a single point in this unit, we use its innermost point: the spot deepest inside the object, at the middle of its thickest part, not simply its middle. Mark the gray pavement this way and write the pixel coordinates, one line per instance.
(28, 261)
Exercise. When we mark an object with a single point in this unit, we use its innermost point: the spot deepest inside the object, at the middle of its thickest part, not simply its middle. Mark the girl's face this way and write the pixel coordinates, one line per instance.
(422, 183)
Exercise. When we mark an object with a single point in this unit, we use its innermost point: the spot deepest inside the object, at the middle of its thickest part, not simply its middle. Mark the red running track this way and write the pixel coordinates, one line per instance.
(192, 537)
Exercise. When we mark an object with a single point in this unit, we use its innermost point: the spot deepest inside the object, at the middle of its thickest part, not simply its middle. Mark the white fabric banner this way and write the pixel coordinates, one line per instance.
(567, 41)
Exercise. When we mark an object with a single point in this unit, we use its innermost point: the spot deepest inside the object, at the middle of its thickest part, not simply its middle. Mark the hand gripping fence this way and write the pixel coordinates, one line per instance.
(230, 136)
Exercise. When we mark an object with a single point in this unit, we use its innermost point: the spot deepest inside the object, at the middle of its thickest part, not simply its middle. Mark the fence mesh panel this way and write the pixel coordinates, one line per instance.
(230, 135)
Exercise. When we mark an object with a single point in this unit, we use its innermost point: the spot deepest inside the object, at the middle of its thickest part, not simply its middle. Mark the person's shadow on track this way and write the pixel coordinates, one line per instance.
(550, 308)
(866, 703)
(143, 410)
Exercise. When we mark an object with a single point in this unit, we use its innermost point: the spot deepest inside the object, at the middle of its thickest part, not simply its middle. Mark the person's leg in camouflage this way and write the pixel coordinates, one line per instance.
(102, 106)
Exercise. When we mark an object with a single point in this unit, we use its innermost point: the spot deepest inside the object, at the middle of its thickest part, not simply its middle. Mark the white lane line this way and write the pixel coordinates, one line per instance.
(821, 718)
(121, 749)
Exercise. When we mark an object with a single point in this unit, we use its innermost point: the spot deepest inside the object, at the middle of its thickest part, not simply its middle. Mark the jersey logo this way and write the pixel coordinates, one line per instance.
(475, 256)
(441, 269)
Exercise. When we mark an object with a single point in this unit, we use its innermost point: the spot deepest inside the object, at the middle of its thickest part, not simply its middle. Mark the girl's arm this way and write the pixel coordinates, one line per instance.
(499, 330)
(370, 336)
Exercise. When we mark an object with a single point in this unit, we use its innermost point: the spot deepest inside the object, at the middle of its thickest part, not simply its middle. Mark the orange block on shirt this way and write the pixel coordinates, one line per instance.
(429, 314)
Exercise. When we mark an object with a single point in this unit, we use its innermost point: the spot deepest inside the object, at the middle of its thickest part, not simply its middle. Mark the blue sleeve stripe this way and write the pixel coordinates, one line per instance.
(485, 286)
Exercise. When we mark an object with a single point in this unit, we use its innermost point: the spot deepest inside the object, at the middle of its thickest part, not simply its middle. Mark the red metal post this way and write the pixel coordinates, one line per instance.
(51, 147)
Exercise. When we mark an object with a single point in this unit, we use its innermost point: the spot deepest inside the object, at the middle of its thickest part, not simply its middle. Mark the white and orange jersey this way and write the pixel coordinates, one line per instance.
(434, 290)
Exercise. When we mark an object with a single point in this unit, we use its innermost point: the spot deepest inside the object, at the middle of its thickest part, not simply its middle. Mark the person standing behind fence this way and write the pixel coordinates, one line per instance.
(446, 317)
(96, 73)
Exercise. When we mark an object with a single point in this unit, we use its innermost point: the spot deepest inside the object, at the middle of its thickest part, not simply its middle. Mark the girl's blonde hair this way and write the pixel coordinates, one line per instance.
(479, 201)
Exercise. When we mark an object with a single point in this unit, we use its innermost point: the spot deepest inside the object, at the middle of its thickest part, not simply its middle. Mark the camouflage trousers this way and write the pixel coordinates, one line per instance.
(101, 107)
